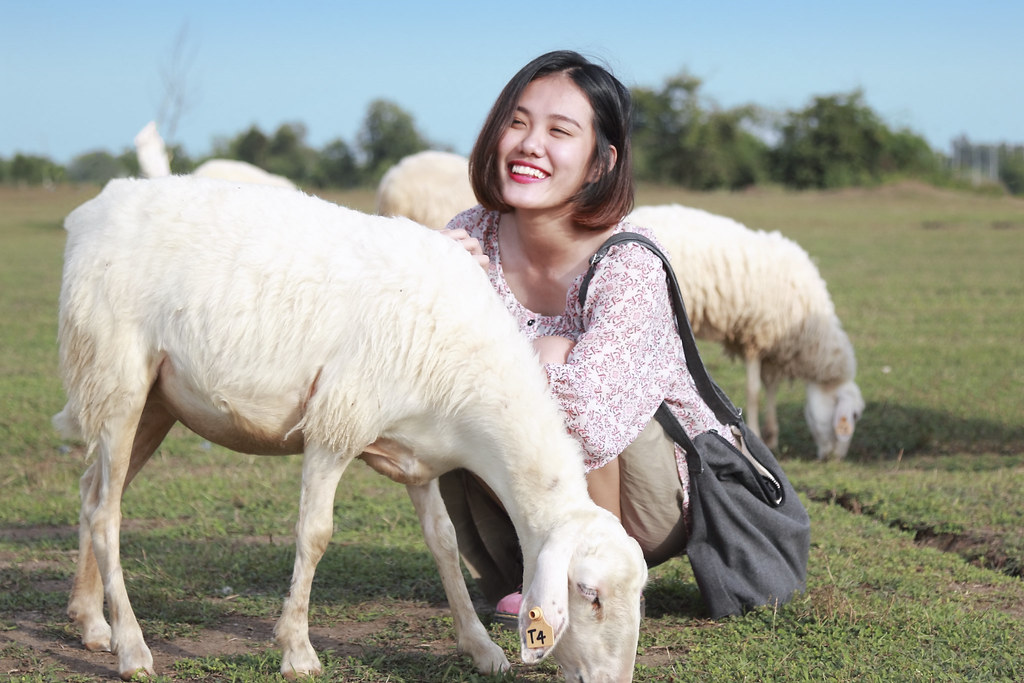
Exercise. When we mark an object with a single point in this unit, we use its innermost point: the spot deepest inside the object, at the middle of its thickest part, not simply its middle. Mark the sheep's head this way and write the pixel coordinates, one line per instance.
(832, 414)
(583, 604)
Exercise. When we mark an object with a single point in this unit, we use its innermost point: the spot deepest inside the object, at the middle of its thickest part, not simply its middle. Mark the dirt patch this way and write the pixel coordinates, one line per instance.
(30, 646)
(981, 548)
(39, 641)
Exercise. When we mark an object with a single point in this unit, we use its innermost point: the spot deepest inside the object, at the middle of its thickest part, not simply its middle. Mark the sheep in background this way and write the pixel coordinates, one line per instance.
(240, 172)
(429, 187)
(760, 296)
(154, 162)
(272, 322)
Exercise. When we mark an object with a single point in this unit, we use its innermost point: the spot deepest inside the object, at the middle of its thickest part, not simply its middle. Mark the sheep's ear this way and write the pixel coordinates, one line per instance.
(544, 614)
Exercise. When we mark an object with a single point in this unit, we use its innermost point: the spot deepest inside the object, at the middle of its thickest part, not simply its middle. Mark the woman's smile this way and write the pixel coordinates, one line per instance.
(526, 173)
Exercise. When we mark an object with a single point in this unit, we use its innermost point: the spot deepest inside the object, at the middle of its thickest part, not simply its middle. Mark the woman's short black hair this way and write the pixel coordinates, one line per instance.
(599, 203)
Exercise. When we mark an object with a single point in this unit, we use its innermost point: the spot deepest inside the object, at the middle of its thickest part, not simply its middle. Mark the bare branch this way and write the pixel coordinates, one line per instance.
(174, 73)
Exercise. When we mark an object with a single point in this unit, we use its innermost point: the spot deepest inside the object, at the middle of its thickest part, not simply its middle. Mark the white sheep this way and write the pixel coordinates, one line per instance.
(760, 295)
(154, 162)
(429, 187)
(272, 322)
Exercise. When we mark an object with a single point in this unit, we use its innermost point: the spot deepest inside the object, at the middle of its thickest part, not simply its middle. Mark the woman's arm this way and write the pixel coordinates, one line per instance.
(627, 360)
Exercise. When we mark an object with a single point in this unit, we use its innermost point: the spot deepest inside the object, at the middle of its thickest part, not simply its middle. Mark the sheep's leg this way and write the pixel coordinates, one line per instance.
(321, 472)
(770, 433)
(439, 533)
(753, 363)
(85, 606)
(102, 515)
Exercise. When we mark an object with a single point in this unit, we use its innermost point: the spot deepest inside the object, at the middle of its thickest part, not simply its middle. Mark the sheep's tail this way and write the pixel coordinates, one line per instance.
(66, 424)
(69, 428)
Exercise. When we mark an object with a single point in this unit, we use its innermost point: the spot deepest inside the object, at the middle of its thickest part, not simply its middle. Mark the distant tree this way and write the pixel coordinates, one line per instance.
(5, 170)
(284, 153)
(836, 141)
(337, 166)
(388, 134)
(676, 140)
(663, 128)
(95, 167)
(129, 162)
(289, 155)
(34, 170)
(907, 153)
(181, 163)
(727, 154)
(251, 146)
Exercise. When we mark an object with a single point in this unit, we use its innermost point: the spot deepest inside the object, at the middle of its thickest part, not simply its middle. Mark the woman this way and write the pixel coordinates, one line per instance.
(552, 171)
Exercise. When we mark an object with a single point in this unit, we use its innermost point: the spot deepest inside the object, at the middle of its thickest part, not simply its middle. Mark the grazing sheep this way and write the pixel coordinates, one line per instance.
(154, 163)
(272, 322)
(429, 187)
(759, 295)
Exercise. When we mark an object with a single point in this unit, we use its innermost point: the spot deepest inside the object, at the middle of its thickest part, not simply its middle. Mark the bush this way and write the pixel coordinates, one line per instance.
(1011, 168)
(96, 167)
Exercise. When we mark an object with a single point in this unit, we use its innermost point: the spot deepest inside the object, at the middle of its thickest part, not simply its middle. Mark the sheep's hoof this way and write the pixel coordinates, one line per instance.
(493, 661)
(95, 635)
(100, 645)
(294, 673)
(136, 674)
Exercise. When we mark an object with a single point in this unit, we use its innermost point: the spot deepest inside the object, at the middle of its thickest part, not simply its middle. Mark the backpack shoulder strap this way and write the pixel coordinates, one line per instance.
(724, 410)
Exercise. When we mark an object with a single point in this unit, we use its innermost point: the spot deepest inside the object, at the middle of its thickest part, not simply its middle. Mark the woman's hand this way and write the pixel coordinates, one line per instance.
(470, 244)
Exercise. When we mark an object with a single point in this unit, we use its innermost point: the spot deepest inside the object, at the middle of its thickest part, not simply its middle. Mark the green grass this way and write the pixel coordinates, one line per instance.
(917, 547)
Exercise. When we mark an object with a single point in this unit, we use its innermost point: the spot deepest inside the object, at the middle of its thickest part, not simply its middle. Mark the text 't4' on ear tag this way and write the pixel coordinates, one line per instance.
(539, 633)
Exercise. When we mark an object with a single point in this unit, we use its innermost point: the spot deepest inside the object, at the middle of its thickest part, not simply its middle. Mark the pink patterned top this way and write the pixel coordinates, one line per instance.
(628, 356)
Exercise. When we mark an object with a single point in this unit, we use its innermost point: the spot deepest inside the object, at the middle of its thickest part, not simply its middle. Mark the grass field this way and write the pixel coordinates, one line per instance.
(917, 538)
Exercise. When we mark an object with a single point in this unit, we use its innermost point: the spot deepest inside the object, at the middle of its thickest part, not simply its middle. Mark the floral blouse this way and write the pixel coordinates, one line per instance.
(627, 357)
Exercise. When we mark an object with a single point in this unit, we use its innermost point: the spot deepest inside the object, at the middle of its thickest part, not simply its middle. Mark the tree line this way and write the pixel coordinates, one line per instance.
(679, 138)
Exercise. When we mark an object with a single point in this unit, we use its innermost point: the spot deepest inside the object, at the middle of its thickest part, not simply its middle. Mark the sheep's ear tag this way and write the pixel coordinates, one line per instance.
(539, 633)
(844, 428)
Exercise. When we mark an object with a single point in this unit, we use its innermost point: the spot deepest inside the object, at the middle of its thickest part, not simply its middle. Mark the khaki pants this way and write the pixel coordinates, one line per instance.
(651, 497)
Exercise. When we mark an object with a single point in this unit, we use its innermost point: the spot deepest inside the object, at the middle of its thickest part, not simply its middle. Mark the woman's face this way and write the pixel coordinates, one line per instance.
(545, 153)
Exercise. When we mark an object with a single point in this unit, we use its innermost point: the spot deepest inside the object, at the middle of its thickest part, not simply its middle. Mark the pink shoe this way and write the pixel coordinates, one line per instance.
(506, 614)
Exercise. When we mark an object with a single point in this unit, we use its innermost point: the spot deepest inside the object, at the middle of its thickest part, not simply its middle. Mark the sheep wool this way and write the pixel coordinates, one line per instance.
(429, 187)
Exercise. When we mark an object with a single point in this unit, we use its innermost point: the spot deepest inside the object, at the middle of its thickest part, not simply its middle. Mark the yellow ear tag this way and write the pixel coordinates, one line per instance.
(844, 428)
(539, 634)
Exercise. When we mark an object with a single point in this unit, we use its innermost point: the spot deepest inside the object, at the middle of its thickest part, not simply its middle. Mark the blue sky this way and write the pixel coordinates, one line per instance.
(80, 76)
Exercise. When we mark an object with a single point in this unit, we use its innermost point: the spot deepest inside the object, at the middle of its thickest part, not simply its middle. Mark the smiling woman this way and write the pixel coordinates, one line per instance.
(552, 169)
